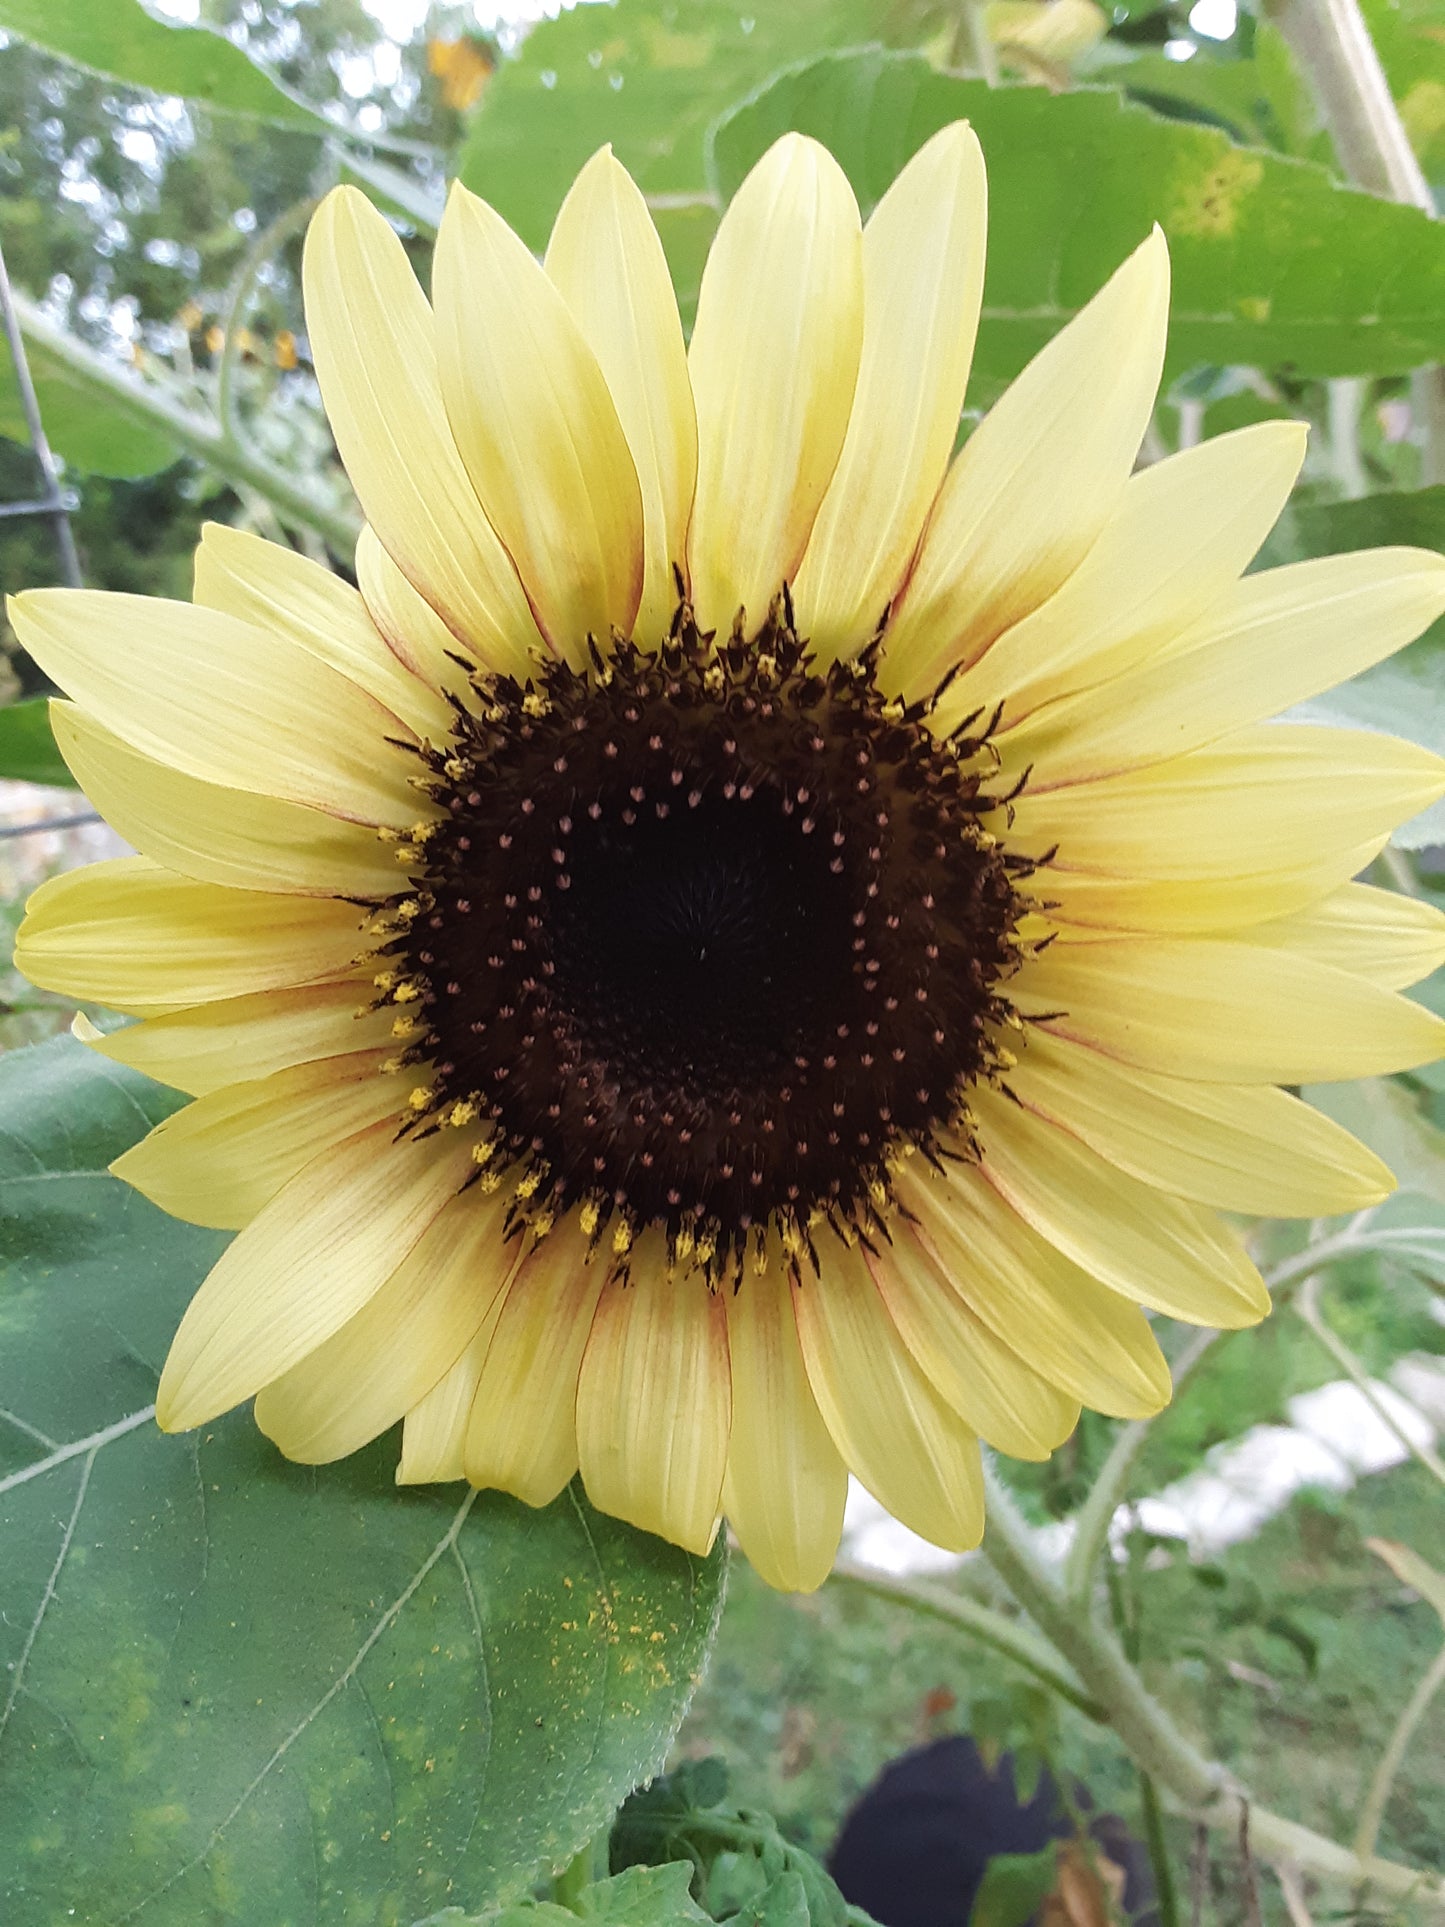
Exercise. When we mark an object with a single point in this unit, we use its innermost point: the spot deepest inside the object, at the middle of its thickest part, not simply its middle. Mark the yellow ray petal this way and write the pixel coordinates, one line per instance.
(310, 1261)
(774, 362)
(1184, 530)
(522, 1435)
(221, 700)
(1162, 1252)
(654, 1403)
(1278, 796)
(275, 588)
(400, 1344)
(923, 255)
(985, 1381)
(1086, 1339)
(1088, 904)
(1275, 639)
(537, 429)
(1392, 940)
(1252, 1149)
(434, 1433)
(219, 835)
(786, 1486)
(607, 261)
(221, 1159)
(414, 631)
(893, 1429)
(1226, 1012)
(130, 934)
(238, 1038)
(1039, 477)
(374, 346)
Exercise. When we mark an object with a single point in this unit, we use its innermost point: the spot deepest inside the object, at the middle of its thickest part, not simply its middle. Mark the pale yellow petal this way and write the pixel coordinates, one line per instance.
(1039, 477)
(1276, 797)
(522, 1435)
(923, 256)
(1275, 639)
(275, 588)
(774, 362)
(402, 1342)
(1225, 1011)
(219, 835)
(221, 1159)
(222, 700)
(412, 628)
(1089, 1341)
(239, 1038)
(1089, 904)
(317, 1253)
(1184, 530)
(894, 1431)
(132, 935)
(984, 1380)
(537, 429)
(1252, 1149)
(374, 345)
(1163, 1252)
(1391, 939)
(786, 1486)
(654, 1403)
(434, 1434)
(606, 259)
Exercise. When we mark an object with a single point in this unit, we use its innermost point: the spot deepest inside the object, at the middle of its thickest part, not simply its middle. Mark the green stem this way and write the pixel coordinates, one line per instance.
(1378, 1797)
(196, 434)
(582, 1871)
(267, 244)
(980, 1622)
(1201, 1786)
(1308, 1309)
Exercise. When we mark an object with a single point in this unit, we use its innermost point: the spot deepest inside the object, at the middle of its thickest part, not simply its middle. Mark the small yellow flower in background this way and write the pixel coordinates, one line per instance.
(463, 66)
(1051, 33)
(748, 949)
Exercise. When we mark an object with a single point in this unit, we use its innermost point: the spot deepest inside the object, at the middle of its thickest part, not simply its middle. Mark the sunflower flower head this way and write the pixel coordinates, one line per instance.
(749, 947)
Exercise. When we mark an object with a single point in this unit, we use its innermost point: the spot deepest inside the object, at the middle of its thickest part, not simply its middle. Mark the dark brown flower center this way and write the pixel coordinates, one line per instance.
(704, 937)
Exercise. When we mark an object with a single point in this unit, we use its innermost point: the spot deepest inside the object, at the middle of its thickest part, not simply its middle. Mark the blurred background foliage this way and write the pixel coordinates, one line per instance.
(156, 171)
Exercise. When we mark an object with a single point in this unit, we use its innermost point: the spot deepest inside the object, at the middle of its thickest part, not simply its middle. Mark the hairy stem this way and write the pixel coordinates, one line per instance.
(1381, 1786)
(1201, 1786)
(980, 1622)
(583, 1870)
(267, 244)
(197, 434)
(1307, 1305)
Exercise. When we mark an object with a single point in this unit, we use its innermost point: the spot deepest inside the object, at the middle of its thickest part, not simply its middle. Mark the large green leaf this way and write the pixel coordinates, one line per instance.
(1405, 694)
(237, 1691)
(27, 747)
(1274, 263)
(94, 434)
(649, 76)
(119, 39)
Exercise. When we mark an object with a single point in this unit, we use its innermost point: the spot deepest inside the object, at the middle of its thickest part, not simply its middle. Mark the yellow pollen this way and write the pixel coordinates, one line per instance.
(392, 1065)
(489, 1182)
(622, 1240)
(534, 703)
(484, 1152)
(456, 769)
(878, 1192)
(408, 991)
(527, 1184)
(683, 1247)
(384, 979)
(706, 1250)
(542, 1224)
(462, 1112)
(587, 1217)
(403, 1026)
(420, 1097)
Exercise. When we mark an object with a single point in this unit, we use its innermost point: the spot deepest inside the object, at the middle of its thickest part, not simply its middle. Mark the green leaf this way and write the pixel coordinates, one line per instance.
(782, 1903)
(1387, 1115)
(1014, 1887)
(1274, 263)
(121, 40)
(637, 1897)
(27, 748)
(245, 1692)
(1404, 695)
(649, 76)
(1408, 40)
(91, 432)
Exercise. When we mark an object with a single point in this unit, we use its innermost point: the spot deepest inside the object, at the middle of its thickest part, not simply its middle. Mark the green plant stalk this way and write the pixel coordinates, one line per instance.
(267, 244)
(1307, 1307)
(1111, 1487)
(1201, 1786)
(1372, 1813)
(197, 434)
(586, 1867)
(980, 1622)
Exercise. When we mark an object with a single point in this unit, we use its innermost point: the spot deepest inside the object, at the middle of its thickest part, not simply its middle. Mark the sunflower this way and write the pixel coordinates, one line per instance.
(749, 947)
